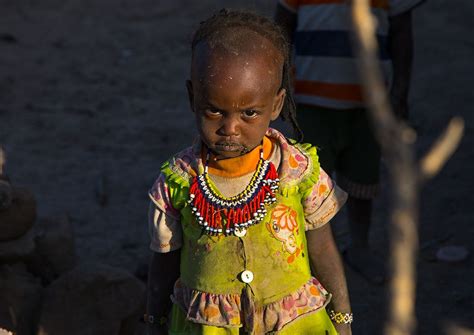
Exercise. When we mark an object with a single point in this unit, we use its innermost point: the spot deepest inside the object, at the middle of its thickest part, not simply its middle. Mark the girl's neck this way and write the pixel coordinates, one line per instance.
(238, 166)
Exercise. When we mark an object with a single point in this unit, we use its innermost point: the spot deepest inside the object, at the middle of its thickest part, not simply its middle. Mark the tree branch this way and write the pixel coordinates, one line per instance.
(442, 149)
(397, 144)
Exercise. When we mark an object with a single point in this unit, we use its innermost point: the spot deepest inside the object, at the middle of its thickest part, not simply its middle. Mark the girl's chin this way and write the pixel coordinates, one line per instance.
(223, 151)
(218, 154)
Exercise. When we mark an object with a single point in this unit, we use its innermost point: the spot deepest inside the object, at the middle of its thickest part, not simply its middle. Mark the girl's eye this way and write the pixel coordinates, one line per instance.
(250, 113)
(212, 112)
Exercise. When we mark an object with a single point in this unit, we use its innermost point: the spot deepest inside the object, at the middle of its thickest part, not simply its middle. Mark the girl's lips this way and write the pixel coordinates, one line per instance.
(228, 147)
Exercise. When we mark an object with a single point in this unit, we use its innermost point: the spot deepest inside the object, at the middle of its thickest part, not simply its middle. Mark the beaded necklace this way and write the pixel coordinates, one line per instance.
(228, 215)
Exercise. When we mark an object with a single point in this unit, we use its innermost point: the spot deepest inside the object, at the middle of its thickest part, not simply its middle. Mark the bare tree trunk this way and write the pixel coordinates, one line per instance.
(397, 143)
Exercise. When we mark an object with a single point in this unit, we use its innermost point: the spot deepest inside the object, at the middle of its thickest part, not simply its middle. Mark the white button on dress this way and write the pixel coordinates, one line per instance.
(240, 232)
(246, 276)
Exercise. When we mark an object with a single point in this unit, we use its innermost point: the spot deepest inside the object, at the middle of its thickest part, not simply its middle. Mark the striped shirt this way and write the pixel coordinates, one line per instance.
(326, 73)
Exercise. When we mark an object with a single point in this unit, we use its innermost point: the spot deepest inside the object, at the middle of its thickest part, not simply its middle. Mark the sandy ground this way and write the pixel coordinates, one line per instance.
(92, 97)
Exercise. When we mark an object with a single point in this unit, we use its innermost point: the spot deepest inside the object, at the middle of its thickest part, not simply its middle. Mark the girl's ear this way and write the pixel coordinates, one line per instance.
(189, 86)
(278, 103)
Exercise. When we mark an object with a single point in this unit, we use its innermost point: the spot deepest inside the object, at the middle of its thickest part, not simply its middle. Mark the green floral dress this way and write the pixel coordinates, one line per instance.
(259, 282)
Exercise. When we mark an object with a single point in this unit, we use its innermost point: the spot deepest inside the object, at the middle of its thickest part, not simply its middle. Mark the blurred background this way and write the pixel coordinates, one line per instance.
(92, 100)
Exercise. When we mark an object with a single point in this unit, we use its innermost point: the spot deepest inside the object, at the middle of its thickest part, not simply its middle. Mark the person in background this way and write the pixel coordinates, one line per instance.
(330, 102)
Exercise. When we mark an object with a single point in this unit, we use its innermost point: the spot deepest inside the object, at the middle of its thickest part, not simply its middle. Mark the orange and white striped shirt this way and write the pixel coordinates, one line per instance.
(326, 73)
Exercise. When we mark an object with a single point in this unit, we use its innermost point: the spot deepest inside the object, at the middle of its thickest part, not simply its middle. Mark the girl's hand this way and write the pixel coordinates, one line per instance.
(343, 328)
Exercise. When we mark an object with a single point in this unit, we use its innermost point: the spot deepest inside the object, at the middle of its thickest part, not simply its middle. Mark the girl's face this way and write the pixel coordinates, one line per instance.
(235, 96)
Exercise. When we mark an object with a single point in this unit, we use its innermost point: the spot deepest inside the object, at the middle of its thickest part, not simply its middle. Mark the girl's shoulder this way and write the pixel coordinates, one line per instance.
(174, 178)
(299, 161)
(183, 165)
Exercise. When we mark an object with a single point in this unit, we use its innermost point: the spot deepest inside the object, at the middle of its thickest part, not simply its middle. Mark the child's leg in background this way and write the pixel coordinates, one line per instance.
(358, 169)
(347, 146)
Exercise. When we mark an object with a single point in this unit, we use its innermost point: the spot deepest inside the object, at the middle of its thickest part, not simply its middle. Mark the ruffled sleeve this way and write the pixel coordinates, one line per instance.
(164, 224)
(323, 201)
(321, 197)
(168, 196)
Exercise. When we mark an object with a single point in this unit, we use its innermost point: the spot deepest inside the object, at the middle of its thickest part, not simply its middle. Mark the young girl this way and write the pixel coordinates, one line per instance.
(238, 221)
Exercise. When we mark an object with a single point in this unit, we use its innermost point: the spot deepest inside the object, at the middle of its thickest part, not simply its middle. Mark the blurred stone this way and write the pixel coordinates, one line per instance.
(20, 216)
(20, 298)
(19, 249)
(452, 253)
(92, 299)
(55, 248)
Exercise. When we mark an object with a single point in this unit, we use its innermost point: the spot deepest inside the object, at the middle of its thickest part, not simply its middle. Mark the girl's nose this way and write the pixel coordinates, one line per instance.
(230, 126)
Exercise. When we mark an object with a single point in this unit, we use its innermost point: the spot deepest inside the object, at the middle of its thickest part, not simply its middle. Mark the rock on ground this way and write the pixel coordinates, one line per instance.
(20, 216)
(19, 249)
(55, 251)
(92, 299)
(20, 299)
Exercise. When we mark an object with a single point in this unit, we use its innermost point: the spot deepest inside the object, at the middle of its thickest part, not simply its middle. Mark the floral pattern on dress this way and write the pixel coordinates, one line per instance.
(160, 195)
(294, 163)
(207, 308)
(283, 226)
(225, 310)
(311, 297)
(323, 202)
(319, 192)
(186, 163)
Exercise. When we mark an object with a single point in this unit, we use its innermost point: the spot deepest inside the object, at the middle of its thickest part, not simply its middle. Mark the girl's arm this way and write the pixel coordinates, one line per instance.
(327, 265)
(162, 274)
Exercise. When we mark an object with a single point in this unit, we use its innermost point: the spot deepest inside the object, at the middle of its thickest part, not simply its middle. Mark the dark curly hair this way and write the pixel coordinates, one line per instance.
(215, 30)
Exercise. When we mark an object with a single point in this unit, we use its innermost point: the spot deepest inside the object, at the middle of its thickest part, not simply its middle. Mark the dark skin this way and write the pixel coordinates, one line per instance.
(327, 265)
(234, 99)
(232, 105)
(163, 272)
(358, 255)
